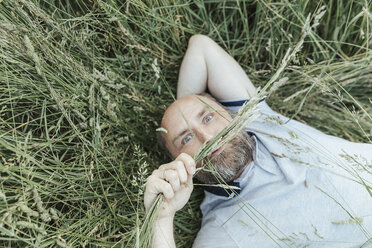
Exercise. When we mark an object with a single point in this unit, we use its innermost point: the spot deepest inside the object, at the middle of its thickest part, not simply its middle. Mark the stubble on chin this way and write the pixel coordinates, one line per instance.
(229, 163)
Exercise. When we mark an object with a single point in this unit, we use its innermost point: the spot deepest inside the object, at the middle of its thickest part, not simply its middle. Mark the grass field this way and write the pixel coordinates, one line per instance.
(84, 83)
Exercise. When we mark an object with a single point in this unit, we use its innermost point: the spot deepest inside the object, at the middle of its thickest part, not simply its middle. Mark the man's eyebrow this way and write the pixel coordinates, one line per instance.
(179, 135)
(200, 114)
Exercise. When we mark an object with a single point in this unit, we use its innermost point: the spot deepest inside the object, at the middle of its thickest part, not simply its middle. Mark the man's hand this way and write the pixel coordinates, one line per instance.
(174, 181)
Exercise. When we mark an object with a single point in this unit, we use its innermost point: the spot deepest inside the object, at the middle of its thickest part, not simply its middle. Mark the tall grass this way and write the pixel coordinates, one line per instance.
(83, 85)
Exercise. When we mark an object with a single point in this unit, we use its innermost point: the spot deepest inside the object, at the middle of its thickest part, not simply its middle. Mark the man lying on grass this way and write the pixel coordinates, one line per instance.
(293, 186)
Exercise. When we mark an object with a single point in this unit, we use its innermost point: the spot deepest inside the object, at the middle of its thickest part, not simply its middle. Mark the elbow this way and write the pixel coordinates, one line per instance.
(199, 39)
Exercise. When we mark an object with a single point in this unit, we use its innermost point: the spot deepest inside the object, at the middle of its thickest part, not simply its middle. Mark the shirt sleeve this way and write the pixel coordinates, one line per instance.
(234, 105)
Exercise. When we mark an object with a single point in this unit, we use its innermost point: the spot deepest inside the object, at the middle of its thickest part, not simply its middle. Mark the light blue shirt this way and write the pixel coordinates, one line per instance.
(303, 189)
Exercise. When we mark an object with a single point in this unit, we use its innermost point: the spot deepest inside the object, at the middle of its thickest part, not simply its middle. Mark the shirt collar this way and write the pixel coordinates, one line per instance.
(261, 158)
(229, 192)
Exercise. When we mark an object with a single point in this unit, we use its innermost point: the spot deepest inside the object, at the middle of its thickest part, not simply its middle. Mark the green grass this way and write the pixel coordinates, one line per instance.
(80, 100)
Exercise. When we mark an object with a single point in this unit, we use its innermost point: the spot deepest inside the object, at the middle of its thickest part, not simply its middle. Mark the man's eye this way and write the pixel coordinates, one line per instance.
(208, 118)
(186, 139)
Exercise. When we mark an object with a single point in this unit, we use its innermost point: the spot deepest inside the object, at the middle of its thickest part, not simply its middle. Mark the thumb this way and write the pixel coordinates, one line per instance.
(189, 181)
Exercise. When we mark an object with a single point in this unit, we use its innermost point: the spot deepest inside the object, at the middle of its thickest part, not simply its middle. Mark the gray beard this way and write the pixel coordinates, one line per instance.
(229, 162)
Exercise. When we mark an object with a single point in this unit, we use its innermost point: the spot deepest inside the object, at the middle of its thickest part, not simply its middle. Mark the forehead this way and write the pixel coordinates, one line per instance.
(185, 110)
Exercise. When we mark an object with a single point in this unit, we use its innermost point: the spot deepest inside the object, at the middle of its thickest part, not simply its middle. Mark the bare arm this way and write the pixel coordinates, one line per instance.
(174, 181)
(163, 233)
(207, 66)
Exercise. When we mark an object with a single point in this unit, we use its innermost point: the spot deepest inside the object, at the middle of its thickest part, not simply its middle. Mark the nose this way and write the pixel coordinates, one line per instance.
(203, 134)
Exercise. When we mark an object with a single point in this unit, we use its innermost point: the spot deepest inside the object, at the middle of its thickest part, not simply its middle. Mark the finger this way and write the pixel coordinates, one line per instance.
(165, 188)
(188, 161)
(157, 186)
(177, 165)
(181, 169)
(189, 182)
(171, 176)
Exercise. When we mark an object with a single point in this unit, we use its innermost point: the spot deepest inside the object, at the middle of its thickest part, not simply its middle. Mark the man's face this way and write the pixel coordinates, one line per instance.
(193, 120)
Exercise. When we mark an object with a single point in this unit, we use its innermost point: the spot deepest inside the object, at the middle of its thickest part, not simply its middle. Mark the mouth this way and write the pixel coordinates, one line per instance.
(217, 152)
